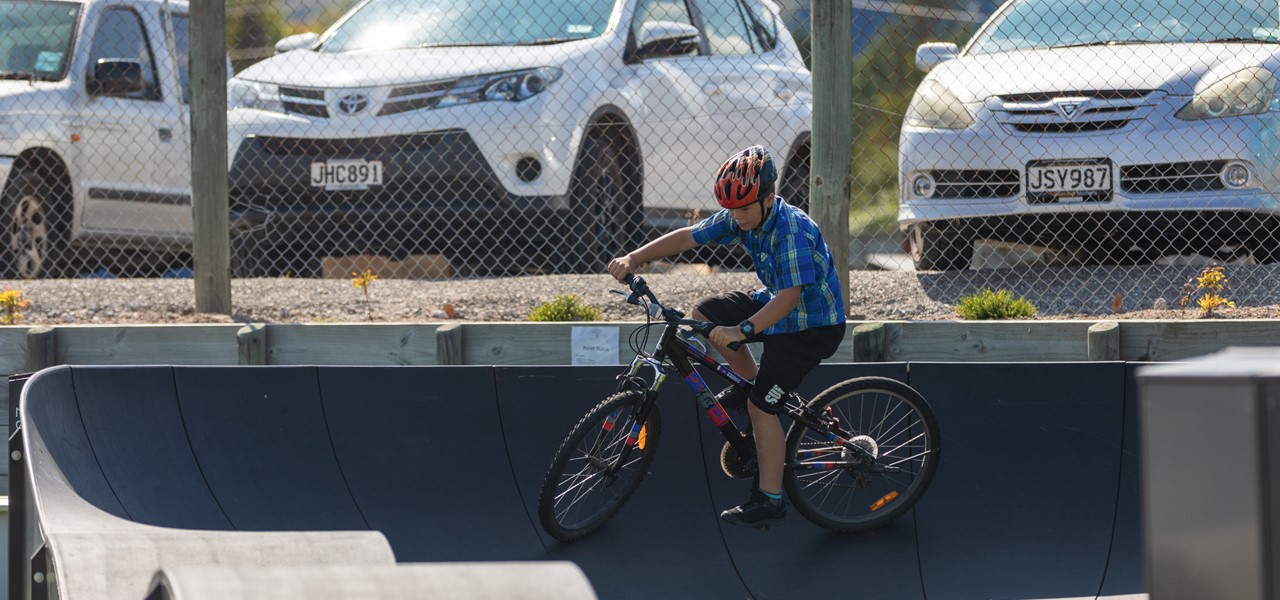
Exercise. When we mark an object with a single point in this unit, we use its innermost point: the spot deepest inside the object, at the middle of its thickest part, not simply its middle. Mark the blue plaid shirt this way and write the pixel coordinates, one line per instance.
(787, 251)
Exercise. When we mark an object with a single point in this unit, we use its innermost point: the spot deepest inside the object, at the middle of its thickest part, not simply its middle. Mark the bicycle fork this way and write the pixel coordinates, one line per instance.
(636, 436)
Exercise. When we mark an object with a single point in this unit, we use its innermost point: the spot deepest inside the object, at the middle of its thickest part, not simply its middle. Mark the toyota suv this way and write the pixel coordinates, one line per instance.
(474, 127)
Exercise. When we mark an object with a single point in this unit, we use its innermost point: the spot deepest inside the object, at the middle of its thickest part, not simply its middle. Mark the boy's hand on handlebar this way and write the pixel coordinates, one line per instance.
(620, 267)
(723, 336)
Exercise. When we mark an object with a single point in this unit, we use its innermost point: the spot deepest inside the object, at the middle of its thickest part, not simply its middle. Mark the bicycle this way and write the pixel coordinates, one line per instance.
(858, 455)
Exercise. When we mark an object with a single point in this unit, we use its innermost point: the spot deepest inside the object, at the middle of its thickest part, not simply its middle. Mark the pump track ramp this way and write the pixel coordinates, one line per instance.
(1036, 496)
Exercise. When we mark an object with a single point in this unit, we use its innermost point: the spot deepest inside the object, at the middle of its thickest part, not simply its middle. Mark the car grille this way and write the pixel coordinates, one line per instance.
(417, 97)
(300, 101)
(976, 183)
(1072, 111)
(353, 147)
(1165, 178)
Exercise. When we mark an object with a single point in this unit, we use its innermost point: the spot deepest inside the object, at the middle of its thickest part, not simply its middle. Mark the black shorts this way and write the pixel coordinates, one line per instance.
(787, 358)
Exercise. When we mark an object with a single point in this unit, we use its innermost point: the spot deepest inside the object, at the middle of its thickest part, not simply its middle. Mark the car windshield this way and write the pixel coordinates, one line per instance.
(386, 24)
(35, 38)
(1057, 23)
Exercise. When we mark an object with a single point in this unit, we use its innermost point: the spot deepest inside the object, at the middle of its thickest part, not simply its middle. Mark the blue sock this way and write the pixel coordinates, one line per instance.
(776, 498)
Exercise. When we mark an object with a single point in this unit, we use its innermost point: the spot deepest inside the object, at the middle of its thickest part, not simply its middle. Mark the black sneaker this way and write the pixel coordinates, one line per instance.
(761, 512)
(732, 398)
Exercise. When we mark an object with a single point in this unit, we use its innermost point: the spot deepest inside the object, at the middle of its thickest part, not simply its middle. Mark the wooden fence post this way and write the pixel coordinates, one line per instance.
(42, 348)
(869, 342)
(831, 144)
(251, 344)
(1104, 341)
(211, 245)
(449, 344)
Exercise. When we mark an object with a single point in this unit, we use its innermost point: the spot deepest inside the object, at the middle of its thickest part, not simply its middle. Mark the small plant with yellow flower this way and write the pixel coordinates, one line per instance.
(1210, 285)
(11, 306)
(362, 281)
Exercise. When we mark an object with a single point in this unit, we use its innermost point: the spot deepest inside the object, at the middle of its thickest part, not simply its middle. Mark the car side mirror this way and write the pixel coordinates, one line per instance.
(933, 54)
(666, 38)
(296, 42)
(116, 77)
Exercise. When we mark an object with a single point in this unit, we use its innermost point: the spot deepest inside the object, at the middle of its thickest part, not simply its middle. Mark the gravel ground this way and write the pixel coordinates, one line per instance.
(1062, 293)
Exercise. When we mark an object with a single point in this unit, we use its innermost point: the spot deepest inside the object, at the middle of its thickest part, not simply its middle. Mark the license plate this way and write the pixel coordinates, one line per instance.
(1069, 178)
(346, 174)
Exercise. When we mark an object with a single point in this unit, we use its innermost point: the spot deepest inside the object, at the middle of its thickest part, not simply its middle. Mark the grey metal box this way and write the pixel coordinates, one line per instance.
(1211, 476)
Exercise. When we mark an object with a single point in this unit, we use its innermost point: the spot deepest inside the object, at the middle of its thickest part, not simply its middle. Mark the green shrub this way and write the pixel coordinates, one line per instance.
(989, 304)
(565, 307)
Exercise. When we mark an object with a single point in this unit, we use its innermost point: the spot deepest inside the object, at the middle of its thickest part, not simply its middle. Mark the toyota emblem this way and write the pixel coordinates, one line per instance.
(352, 103)
(1069, 109)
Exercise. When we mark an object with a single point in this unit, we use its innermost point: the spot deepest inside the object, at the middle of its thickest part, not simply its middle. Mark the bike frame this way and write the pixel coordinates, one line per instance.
(673, 351)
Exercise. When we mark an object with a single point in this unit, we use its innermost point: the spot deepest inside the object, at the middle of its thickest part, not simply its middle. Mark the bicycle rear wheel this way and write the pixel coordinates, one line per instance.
(588, 480)
(840, 489)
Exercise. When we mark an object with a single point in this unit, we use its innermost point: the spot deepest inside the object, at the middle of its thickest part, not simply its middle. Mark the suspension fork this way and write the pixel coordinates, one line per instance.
(626, 381)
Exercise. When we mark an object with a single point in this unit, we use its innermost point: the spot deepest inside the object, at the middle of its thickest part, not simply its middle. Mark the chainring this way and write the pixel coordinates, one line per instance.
(735, 465)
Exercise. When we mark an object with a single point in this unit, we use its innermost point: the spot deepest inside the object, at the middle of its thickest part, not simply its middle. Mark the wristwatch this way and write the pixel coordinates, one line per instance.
(747, 328)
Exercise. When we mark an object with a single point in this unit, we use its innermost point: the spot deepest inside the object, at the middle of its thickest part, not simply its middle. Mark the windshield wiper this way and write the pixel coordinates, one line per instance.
(549, 41)
(1247, 40)
(1107, 43)
(458, 44)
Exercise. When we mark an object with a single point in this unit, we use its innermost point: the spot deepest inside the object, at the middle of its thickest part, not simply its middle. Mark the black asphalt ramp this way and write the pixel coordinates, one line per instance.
(667, 534)
(1024, 501)
(422, 452)
(1035, 497)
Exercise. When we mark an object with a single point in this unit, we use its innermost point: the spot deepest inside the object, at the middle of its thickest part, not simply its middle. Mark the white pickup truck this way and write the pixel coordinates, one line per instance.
(94, 149)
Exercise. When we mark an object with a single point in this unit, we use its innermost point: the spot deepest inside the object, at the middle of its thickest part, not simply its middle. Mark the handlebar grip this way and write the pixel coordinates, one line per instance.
(735, 345)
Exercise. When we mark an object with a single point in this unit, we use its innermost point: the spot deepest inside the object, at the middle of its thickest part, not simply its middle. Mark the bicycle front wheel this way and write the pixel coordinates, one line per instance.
(843, 489)
(598, 467)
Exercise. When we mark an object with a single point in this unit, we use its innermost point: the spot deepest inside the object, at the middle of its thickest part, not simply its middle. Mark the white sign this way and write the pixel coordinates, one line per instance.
(594, 346)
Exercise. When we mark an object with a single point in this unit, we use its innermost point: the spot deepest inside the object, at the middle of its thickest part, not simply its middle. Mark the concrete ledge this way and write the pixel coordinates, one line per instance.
(552, 580)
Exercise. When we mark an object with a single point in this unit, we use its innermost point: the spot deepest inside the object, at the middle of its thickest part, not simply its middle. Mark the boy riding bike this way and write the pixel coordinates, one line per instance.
(798, 315)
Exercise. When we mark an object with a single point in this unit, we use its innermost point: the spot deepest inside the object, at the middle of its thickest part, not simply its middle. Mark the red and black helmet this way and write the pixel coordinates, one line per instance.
(747, 177)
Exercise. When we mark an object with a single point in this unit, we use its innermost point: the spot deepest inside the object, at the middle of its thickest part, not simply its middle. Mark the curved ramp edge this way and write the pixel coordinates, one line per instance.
(1024, 502)
(547, 580)
(118, 565)
(800, 559)
(262, 442)
(669, 526)
(422, 451)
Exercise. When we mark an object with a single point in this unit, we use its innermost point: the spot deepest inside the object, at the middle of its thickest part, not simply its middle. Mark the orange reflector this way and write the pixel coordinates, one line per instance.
(640, 441)
(883, 501)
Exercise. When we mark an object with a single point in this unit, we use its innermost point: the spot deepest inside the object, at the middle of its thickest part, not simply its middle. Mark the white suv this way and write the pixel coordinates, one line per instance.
(465, 126)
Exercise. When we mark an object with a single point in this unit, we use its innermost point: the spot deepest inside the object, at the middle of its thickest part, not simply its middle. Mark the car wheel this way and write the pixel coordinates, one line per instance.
(939, 247)
(34, 229)
(795, 190)
(604, 221)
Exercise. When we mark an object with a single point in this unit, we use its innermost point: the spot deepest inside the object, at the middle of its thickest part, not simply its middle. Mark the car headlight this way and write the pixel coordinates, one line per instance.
(937, 107)
(503, 87)
(1248, 92)
(253, 94)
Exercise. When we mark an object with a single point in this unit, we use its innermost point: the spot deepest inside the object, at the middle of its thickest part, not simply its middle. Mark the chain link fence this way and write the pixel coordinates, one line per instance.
(451, 138)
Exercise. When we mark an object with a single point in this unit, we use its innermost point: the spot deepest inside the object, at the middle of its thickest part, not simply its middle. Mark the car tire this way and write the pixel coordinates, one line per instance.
(795, 188)
(604, 220)
(35, 229)
(939, 247)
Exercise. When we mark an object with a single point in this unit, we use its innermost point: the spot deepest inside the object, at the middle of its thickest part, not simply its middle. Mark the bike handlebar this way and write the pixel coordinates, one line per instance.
(640, 289)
